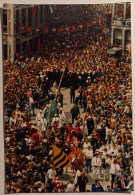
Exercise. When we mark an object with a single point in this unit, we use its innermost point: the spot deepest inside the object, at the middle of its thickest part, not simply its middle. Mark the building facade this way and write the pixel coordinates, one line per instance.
(23, 25)
(121, 25)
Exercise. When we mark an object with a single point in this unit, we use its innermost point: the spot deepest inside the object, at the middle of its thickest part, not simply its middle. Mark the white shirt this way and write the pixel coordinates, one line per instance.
(102, 148)
(51, 174)
(85, 145)
(55, 119)
(89, 154)
(12, 121)
(113, 152)
(31, 100)
(39, 116)
(96, 162)
(76, 176)
(69, 187)
(115, 168)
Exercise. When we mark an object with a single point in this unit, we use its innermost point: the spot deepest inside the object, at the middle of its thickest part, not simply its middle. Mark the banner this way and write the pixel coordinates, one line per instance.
(53, 29)
(22, 28)
(15, 26)
(38, 44)
(34, 9)
(60, 158)
(94, 21)
(88, 24)
(74, 27)
(29, 29)
(100, 20)
(37, 29)
(67, 28)
(46, 30)
(61, 29)
(81, 26)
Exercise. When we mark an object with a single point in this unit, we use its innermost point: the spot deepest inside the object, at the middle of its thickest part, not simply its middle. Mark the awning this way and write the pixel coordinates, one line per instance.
(114, 51)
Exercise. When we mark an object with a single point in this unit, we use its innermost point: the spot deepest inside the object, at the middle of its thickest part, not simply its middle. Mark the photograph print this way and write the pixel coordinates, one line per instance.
(67, 72)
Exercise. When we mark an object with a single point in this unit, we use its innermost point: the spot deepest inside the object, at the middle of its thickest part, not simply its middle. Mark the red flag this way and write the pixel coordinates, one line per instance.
(94, 21)
(15, 26)
(100, 19)
(29, 29)
(81, 26)
(46, 30)
(53, 29)
(74, 27)
(22, 28)
(88, 24)
(37, 29)
(61, 29)
(38, 44)
(67, 28)
(34, 9)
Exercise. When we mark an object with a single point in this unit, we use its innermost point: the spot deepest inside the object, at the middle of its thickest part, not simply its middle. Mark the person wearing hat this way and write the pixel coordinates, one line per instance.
(96, 163)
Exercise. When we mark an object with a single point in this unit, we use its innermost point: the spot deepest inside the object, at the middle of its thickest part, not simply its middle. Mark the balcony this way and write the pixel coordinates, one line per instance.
(117, 22)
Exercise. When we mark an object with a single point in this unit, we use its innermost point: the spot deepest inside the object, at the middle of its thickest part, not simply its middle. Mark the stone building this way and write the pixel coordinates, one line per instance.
(121, 25)
(22, 26)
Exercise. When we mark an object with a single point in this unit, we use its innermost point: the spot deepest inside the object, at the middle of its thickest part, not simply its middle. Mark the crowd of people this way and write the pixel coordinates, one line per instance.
(99, 146)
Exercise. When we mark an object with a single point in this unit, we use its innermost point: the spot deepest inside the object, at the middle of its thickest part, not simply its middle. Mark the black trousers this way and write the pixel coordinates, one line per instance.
(112, 180)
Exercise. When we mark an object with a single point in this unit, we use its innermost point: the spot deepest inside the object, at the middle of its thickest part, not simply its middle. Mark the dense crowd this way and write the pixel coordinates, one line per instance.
(99, 145)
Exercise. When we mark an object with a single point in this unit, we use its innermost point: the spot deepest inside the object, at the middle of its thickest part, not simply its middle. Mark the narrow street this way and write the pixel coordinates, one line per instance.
(67, 176)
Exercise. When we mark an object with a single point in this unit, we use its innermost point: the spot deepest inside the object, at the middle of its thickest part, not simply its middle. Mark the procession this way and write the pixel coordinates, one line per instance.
(68, 116)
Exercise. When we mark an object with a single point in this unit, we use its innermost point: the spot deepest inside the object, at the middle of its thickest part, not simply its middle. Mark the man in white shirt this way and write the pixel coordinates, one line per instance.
(113, 151)
(96, 163)
(38, 119)
(115, 168)
(106, 167)
(43, 124)
(51, 174)
(31, 101)
(55, 119)
(88, 157)
(70, 186)
(85, 146)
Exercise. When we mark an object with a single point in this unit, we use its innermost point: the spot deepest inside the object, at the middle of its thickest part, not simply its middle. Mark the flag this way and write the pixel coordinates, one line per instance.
(94, 21)
(29, 29)
(61, 29)
(60, 158)
(22, 28)
(100, 20)
(81, 26)
(46, 30)
(74, 27)
(88, 24)
(51, 9)
(15, 26)
(38, 44)
(34, 9)
(37, 29)
(53, 29)
(67, 28)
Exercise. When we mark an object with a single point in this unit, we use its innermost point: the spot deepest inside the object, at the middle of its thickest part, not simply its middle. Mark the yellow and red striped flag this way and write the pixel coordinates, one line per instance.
(60, 158)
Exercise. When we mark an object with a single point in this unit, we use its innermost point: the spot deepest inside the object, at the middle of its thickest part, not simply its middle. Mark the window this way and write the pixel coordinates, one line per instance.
(128, 10)
(119, 10)
(5, 20)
